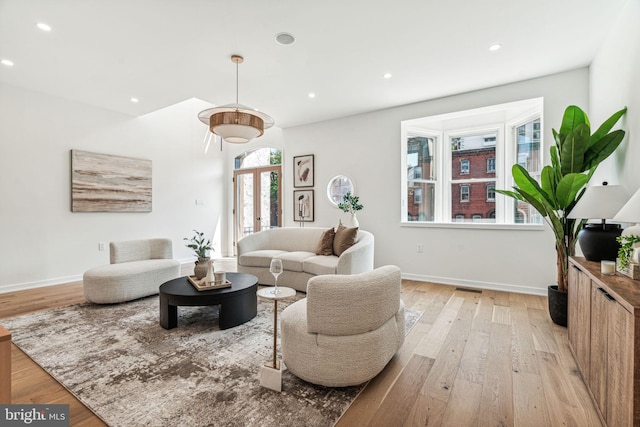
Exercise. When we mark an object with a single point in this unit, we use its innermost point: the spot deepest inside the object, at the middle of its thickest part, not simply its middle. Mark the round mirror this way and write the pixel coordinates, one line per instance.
(339, 186)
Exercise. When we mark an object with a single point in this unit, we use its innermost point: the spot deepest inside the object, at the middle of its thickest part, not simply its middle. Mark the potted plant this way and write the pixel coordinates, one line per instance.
(350, 204)
(626, 250)
(574, 158)
(200, 246)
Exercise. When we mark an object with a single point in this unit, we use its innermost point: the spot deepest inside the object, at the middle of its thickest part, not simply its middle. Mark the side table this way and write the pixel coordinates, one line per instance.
(271, 373)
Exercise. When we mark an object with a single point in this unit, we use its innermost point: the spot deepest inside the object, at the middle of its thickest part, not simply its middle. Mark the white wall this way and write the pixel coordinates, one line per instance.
(367, 148)
(614, 83)
(42, 241)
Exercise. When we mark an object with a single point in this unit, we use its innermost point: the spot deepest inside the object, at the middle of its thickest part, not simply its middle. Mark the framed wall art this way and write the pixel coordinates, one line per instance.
(303, 171)
(106, 183)
(303, 205)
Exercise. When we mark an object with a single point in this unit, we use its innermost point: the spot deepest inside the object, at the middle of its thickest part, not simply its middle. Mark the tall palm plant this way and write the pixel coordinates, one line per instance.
(574, 158)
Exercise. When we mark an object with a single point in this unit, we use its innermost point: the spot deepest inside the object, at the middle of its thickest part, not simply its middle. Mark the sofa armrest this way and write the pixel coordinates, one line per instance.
(359, 257)
(253, 242)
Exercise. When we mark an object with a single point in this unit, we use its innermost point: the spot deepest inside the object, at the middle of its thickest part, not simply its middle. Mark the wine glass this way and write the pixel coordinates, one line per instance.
(276, 270)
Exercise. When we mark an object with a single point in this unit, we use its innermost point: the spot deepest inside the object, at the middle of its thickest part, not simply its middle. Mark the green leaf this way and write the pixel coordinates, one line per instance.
(527, 184)
(568, 188)
(606, 126)
(572, 118)
(511, 194)
(602, 149)
(533, 201)
(523, 180)
(548, 182)
(573, 149)
(555, 162)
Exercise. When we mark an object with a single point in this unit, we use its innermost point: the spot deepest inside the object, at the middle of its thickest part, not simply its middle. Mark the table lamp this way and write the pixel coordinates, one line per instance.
(598, 240)
(630, 212)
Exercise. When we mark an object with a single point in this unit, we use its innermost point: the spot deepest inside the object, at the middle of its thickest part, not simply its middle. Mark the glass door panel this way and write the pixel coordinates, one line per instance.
(257, 200)
(245, 211)
(269, 199)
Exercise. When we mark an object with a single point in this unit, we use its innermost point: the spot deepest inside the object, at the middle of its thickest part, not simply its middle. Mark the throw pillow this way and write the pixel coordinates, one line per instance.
(325, 247)
(345, 238)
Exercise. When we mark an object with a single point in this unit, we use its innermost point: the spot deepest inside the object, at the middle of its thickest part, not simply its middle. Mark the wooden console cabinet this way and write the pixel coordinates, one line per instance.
(604, 335)
(5, 367)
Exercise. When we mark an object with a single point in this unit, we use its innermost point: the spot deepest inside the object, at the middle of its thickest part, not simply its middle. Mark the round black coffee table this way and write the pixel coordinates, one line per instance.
(238, 304)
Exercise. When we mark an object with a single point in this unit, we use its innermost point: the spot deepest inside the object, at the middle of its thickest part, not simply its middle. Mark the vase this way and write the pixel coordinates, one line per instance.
(557, 305)
(352, 221)
(200, 270)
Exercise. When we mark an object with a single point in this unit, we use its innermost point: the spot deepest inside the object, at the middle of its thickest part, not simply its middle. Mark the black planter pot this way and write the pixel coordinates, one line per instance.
(557, 305)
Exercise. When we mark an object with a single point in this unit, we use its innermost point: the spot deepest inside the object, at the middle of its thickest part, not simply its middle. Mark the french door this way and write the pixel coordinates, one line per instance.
(257, 200)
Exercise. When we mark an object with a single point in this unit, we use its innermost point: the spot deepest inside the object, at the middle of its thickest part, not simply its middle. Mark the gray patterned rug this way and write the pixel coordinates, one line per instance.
(129, 371)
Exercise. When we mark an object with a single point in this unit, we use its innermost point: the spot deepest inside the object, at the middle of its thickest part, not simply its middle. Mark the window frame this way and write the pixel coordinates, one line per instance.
(506, 150)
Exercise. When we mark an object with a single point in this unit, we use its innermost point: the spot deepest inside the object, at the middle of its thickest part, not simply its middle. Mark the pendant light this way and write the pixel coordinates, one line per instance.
(236, 123)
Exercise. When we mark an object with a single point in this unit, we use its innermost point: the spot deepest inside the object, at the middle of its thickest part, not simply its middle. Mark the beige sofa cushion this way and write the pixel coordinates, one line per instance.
(293, 261)
(261, 258)
(321, 264)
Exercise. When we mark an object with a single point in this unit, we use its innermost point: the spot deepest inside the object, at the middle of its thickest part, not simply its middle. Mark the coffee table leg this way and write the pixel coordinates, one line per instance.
(168, 313)
(238, 310)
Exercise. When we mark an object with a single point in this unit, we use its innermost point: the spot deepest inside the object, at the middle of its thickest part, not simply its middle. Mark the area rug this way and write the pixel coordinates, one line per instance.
(129, 371)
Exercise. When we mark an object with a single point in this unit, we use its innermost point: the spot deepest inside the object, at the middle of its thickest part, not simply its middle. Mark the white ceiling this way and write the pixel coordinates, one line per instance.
(103, 52)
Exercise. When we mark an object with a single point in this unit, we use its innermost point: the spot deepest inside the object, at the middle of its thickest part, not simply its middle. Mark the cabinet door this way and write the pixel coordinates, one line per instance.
(599, 342)
(580, 319)
(619, 366)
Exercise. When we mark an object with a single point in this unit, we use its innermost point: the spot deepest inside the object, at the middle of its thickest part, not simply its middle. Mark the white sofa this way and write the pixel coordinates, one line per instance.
(296, 247)
(137, 269)
(347, 328)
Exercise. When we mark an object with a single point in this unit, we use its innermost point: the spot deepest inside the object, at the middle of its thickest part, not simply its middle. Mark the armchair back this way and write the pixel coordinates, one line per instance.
(353, 304)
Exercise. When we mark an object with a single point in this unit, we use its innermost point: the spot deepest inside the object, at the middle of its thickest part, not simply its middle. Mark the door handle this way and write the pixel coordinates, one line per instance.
(606, 294)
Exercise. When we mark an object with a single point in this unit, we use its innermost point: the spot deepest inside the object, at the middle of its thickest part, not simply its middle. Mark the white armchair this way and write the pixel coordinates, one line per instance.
(347, 328)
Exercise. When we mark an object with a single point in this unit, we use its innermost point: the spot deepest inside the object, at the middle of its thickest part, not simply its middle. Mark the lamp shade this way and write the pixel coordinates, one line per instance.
(630, 212)
(600, 202)
(235, 123)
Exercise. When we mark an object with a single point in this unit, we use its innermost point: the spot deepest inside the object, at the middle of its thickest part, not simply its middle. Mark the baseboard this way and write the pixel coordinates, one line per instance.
(477, 285)
(59, 281)
(38, 284)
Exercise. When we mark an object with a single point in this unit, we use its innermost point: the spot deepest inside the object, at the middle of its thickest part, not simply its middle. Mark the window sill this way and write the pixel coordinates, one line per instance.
(474, 226)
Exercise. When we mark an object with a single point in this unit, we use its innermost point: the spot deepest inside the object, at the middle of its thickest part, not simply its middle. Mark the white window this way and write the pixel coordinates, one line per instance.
(464, 193)
(491, 192)
(420, 176)
(491, 165)
(439, 184)
(464, 166)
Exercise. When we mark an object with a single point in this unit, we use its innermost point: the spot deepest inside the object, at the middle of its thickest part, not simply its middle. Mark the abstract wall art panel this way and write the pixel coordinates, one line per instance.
(106, 183)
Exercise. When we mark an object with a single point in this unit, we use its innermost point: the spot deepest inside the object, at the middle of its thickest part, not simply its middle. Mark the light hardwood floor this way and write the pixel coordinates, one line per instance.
(473, 359)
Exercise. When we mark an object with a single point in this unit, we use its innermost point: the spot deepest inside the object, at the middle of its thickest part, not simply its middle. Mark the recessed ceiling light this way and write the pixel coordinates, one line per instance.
(7, 62)
(285, 39)
(387, 76)
(135, 100)
(43, 26)
(312, 95)
(495, 46)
